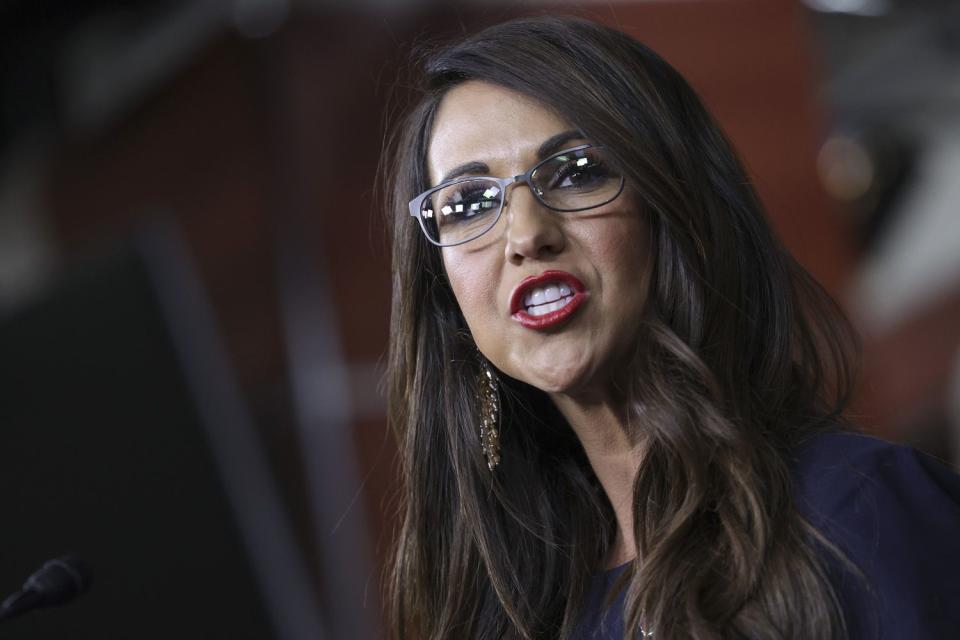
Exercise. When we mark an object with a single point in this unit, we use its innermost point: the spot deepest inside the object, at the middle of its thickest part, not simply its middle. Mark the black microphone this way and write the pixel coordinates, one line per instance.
(57, 582)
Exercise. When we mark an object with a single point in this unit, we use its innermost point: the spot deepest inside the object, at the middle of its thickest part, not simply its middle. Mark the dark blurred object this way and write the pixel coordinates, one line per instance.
(867, 173)
(112, 447)
(891, 85)
(34, 35)
(56, 583)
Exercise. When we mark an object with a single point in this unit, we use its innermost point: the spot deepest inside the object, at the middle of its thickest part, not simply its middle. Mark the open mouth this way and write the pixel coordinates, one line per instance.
(546, 300)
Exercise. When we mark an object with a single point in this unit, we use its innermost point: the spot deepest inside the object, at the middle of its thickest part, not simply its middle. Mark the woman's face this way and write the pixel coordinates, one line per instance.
(595, 261)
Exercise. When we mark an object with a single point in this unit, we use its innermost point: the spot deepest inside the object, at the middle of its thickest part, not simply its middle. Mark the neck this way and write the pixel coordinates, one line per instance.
(601, 426)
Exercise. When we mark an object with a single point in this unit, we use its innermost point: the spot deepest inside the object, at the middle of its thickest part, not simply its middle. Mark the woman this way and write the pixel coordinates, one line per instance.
(617, 398)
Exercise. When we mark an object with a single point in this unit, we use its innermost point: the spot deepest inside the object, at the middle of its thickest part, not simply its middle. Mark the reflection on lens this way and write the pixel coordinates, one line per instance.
(461, 211)
(577, 180)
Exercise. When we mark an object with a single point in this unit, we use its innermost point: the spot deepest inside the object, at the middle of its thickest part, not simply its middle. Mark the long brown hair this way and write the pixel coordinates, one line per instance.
(740, 356)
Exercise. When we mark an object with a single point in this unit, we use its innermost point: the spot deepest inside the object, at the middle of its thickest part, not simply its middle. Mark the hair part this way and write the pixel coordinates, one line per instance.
(740, 356)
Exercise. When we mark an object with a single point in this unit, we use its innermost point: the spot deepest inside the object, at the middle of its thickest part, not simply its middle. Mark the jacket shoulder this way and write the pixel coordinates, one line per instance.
(895, 513)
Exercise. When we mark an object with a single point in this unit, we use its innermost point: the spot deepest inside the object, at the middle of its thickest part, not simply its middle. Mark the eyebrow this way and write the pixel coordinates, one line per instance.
(550, 146)
(556, 143)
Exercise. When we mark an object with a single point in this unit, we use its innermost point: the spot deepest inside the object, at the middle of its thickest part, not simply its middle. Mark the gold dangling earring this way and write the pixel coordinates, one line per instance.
(488, 397)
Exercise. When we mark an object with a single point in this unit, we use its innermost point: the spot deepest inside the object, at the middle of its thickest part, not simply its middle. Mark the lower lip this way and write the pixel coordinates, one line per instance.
(553, 318)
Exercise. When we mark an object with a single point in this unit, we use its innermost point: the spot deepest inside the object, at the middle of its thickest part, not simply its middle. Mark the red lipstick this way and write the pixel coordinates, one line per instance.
(519, 312)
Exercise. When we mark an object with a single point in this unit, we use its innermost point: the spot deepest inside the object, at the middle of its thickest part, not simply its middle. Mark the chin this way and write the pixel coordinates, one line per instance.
(554, 371)
(566, 381)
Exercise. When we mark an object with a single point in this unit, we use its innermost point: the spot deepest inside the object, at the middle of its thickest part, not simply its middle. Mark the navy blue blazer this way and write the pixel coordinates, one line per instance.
(894, 511)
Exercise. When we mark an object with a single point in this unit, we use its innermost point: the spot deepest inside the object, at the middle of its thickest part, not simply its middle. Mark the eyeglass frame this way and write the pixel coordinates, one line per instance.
(416, 204)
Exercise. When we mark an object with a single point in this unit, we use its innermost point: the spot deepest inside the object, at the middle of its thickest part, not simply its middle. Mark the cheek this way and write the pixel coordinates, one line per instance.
(628, 231)
(473, 284)
(622, 252)
(631, 248)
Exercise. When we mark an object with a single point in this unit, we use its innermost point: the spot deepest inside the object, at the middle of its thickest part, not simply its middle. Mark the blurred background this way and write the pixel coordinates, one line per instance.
(194, 282)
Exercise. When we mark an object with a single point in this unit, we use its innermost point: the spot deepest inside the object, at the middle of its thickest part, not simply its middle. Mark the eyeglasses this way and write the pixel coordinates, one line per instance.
(464, 209)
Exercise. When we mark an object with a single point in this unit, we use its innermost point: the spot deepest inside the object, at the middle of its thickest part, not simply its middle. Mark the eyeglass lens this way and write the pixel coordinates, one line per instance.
(570, 181)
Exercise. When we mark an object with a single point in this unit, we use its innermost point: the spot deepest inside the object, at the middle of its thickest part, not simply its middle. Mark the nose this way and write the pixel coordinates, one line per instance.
(533, 231)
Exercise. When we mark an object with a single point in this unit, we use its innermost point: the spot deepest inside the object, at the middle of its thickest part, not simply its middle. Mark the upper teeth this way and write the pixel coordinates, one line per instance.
(546, 295)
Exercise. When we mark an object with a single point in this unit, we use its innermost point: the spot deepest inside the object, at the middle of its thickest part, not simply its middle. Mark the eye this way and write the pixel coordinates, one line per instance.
(466, 200)
(583, 173)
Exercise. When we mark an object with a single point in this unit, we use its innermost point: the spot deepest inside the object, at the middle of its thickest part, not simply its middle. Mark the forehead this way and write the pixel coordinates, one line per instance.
(485, 122)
